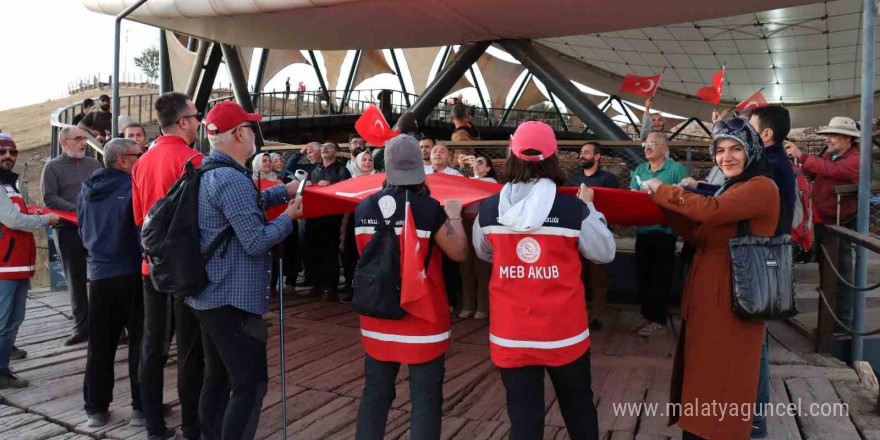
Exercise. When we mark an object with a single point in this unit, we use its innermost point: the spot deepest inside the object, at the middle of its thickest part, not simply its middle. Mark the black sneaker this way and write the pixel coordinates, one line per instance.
(76, 338)
(98, 419)
(123, 337)
(17, 354)
(9, 380)
(165, 435)
(305, 283)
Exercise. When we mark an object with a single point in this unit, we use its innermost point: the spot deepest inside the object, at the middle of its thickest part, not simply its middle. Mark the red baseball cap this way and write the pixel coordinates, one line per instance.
(227, 115)
(533, 135)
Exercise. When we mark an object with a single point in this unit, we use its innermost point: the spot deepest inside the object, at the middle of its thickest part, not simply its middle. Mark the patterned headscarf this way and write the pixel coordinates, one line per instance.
(257, 168)
(743, 133)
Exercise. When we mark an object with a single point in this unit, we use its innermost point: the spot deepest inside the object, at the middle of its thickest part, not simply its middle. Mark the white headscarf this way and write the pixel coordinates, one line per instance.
(358, 165)
(257, 168)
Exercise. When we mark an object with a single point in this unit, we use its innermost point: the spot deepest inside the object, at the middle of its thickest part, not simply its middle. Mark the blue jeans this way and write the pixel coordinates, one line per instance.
(763, 398)
(13, 296)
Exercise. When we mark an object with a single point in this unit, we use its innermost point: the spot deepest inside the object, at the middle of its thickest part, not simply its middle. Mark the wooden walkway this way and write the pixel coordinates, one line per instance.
(324, 374)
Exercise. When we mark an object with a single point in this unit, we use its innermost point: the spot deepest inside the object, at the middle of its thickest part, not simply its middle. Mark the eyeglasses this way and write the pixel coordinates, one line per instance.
(76, 139)
(10, 151)
(729, 124)
(136, 155)
(198, 117)
(251, 125)
(649, 144)
(481, 162)
(358, 143)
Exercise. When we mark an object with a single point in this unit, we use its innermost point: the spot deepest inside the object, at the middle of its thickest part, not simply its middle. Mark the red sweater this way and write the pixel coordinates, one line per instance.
(828, 173)
(155, 172)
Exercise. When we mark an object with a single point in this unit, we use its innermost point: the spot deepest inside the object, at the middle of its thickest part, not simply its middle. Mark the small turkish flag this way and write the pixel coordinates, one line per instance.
(712, 94)
(373, 127)
(415, 296)
(757, 100)
(640, 85)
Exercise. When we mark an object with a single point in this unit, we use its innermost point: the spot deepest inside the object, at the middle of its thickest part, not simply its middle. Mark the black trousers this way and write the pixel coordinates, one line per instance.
(321, 250)
(114, 303)
(163, 317)
(73, 260)
(655, 261)
(525, 399)
(426, 395)
(236, 373)
(350, 255)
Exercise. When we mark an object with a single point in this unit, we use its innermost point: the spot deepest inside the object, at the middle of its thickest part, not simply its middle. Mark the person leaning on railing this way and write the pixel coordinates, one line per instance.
(839, 166)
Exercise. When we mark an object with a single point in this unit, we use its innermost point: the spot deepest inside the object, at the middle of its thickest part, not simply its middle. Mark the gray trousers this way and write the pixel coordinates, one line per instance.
(73, 260)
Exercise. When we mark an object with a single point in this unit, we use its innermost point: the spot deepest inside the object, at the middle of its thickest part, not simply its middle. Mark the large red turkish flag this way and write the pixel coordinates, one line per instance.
(620, 206)
(640, 85)
(712, 94)
(415, 296)
(373, 127)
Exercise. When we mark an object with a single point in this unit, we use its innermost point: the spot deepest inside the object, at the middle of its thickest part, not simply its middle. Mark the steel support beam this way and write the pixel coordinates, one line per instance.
(441, 85)
(209, 73)
(118, 30)
(558, 112)
(443, 61)
(865, 163)
(198, 67)
(480, 94)
(321, 80)
(192, 44)
(349, 82)
(400, 77)
(240, 87)
(165, 80)
(516, 97)
(261, 70)
(556, 83)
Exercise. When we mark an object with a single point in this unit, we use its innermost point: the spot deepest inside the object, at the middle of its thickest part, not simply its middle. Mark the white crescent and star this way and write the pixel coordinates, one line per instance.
(651, 87)
(749, 104)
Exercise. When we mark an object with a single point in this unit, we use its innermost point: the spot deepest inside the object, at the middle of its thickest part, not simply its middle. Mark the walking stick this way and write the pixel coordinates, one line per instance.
(281, 336)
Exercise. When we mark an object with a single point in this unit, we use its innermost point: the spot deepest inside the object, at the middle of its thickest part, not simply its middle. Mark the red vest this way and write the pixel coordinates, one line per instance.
(19, 250)
(537, 309)
(410, 340)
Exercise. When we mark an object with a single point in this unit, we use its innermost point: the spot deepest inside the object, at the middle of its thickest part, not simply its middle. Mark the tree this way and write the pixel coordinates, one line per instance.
(148, 62)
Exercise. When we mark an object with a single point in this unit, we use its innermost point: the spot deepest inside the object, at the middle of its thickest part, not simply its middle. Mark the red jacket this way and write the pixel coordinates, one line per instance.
(828, 173)
(155, 172)
(19, 250)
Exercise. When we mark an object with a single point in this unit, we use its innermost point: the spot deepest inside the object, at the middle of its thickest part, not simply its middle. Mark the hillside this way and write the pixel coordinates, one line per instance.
(29, 125)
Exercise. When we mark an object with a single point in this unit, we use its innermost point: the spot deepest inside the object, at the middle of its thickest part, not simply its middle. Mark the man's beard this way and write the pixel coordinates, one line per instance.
(105, 107)
(7, 165)
(77, 154)
(587, 164)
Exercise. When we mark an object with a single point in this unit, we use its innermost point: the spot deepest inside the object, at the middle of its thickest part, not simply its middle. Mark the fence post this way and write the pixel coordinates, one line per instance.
(825, 323)
(688, 165)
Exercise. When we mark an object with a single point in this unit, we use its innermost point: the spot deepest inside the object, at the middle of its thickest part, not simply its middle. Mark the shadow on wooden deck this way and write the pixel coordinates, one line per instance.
(324, 362)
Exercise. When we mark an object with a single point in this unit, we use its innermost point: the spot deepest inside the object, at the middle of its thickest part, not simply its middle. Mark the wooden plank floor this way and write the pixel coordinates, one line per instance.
(324, 363)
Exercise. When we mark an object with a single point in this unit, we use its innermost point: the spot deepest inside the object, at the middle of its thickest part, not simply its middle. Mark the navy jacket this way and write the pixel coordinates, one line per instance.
(106, 225)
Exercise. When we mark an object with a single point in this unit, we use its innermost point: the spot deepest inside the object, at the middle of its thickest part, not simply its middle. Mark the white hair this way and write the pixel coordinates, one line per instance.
(220, 140)
(115, 148)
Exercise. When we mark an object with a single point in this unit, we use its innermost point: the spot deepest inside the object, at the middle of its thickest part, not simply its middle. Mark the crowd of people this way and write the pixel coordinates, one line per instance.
(522, 259)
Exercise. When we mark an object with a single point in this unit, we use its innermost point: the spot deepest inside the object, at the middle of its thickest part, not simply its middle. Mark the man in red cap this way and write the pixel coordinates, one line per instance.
(152, 176)
(230, 308)
(538, 314)
(17, 267)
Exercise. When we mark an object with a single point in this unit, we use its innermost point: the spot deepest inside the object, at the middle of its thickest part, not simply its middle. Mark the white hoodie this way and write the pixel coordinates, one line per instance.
(523, 207)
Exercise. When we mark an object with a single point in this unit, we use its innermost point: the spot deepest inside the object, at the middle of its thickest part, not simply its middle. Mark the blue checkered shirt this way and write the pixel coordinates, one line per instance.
(240, 273)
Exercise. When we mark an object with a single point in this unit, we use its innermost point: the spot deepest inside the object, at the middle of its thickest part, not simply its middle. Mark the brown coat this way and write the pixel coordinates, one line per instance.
(721, 353)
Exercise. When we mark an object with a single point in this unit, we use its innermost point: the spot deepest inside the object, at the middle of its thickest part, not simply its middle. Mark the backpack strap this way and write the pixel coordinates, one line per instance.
(223, 237)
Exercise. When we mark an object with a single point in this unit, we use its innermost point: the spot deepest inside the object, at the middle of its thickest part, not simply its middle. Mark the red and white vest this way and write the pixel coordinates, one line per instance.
(410, 340)
(537, 309)
(19, 252)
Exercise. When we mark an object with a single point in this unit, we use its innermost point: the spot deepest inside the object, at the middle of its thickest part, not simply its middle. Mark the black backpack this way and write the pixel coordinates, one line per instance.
(170, 237)
(376, 281)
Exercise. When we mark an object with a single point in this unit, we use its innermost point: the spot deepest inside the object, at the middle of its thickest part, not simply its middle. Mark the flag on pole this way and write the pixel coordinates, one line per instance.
(373, 127)
(712, 94)
(757, 100)
(414, 293)
(640, 85)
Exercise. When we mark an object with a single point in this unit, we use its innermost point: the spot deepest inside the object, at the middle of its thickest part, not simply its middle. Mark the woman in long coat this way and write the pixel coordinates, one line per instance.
(719, 353)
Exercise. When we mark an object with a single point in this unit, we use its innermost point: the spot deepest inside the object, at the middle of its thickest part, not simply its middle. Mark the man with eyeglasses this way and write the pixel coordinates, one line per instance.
(357, 145)
(655, 245)
(106, 224)
(17, 243)
(61, 183)
(152, 176)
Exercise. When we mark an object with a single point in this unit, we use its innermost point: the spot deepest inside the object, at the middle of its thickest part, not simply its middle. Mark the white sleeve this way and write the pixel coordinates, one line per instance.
(481, 244)
(596, 242)
(12, 218)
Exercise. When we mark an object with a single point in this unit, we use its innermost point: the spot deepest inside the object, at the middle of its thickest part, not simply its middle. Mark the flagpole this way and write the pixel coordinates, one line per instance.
(658, 83)
(723, 65)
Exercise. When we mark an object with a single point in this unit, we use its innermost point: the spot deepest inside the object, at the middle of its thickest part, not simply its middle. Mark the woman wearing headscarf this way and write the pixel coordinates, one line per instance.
(363, 164)
(265, 178)
(282, 173)
(718, 353)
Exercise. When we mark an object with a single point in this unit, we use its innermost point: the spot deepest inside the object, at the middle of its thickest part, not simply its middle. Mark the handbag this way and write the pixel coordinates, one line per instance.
(762, 281)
